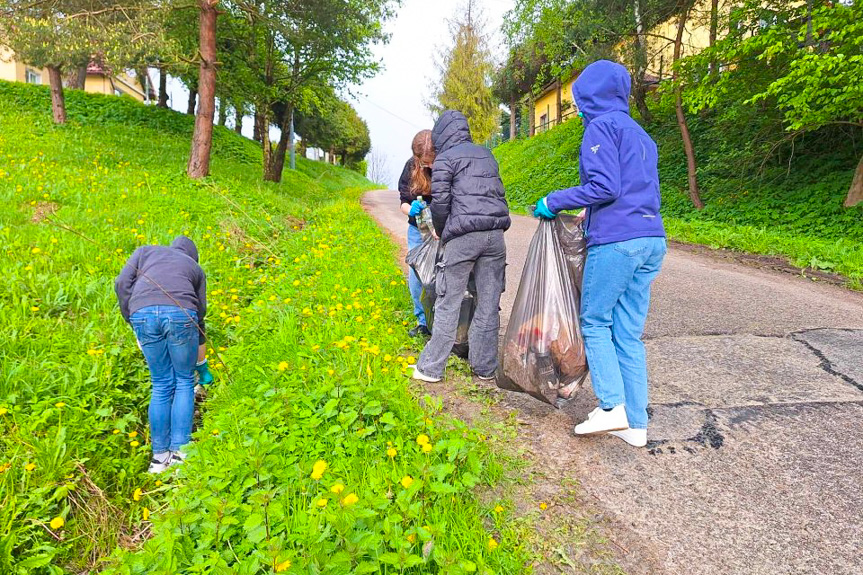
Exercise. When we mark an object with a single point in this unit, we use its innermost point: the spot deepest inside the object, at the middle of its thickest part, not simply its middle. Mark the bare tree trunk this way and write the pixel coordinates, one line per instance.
(278, 164)
(163, 86)
(691, 166)
(238, 119)
(855, 192)
(531, 122)
(714, 30)
(639, 91)
(262, 125)
(58, 101)
(202, 139)
(193, 96)
(223, 112)
(512, 123)
(256, 132)
(81, 77)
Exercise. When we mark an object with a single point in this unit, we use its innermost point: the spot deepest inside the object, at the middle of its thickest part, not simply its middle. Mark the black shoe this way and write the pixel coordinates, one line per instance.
(419, 330)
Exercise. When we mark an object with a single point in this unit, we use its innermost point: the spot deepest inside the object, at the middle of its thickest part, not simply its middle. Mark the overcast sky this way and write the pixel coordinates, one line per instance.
(392, 103)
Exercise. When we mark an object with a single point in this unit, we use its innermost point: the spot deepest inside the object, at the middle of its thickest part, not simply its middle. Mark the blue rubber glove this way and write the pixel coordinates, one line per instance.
(204, 375)
(416, 207)
(542, 210)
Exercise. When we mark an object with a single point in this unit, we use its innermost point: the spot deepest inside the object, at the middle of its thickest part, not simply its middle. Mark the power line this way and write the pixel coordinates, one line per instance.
(396, 116)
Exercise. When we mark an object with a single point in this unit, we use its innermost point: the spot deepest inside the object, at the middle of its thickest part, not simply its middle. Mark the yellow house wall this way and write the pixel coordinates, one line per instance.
(547, 105)
(13, 71)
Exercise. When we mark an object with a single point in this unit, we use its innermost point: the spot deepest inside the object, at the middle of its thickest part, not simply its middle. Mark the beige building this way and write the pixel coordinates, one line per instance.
(98, 81)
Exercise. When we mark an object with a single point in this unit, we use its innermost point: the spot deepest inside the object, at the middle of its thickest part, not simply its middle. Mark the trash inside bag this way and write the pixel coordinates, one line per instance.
(424, 260)
(543, 351)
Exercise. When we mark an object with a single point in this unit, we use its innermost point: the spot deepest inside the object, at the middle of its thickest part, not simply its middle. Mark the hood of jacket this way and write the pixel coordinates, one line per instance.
(450, 130)
(185, 245)
(601, 88)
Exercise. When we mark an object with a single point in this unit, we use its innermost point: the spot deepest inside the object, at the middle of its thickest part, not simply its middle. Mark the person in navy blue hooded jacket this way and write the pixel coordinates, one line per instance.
(618, 164)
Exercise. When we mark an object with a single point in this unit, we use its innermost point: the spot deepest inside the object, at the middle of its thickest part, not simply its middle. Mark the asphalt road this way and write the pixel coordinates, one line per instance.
(755, 460)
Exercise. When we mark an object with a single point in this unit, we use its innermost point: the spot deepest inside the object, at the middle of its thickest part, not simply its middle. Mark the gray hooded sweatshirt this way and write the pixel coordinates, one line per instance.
(160, 275)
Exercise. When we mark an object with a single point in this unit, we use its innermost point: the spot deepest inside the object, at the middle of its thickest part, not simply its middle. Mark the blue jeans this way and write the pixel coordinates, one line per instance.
(614, 302)
(169, 339)
(415, 238)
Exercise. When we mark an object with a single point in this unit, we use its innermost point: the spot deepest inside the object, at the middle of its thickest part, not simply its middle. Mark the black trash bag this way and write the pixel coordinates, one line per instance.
(542, 353)
(424, 260)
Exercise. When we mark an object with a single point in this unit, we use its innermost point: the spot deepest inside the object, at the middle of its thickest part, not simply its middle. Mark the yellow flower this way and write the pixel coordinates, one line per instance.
(423, 439)
(391, 452)
(412, 537)
(337, 488)
(57, 522)
(283, 566)
(30, 467)
(136, 495)
(116, 431)
(158, 483)
(407, 481)
(350, 499)
(492, 544)
(322, 502)
(145, 513)
(283, 366)
(427, 448)
(543, 506)
(498, 509)
(35, 250)
(59, 405)
(3, 411)
(134, 444)
(133, 434)
(318, 469)
(215, 432)
(34, 308)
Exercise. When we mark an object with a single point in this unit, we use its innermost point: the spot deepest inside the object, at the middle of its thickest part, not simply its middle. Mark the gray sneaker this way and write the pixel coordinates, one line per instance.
(160, 462)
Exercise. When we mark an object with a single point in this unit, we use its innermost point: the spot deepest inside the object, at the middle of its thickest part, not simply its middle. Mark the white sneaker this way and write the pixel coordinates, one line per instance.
(420, 376)
(160, 462)
(634, 437)
(177, 458)
(600, 421)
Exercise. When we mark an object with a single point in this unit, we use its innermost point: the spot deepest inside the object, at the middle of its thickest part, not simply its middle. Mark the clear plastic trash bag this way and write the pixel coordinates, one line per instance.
(424, 260)
(542, 353)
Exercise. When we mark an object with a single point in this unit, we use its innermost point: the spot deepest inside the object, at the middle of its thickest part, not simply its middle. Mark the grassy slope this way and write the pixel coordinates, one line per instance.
(307, 311)
(796, 215)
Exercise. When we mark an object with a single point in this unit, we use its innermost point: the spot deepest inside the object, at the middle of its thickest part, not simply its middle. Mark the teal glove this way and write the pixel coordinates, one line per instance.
(416, 207)
(204, 375)
(542, 211)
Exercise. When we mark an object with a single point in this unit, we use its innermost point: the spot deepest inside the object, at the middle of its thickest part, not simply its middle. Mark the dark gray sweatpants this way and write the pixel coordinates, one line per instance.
(484, 253)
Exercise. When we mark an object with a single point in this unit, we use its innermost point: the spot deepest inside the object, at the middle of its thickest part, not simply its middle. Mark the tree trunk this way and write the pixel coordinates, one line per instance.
(238, 119)
(163, 86)
(512, 122)
(278, 164)
(262, 126)
(714, 30)
(81, 78)
(58, 101)
(223, 112)
(691, 166)
(639, 91)
(531, 121)
(855, 192)
(202, 139)
(256, 131)
(193, 95)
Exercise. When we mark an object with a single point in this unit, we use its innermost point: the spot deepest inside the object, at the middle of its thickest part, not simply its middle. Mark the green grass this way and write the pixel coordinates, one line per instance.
(789, 208)
(307, 310)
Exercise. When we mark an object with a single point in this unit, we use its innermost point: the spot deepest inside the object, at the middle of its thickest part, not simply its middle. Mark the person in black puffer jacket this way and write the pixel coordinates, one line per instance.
(470, 215)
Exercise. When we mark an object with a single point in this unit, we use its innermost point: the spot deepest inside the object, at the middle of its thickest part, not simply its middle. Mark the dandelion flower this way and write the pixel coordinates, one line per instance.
(57, 523)
(407, 481)
(283, 566)
(158, 483)
(498, 509)
(145, 513)
(350, 499)
(3, 411)
(543, 506)
(422, 439)
(337, 488)
(34, 308)
(30, 467)
(283, 365)
(392, 452)
(116, 431)
(134, 443)
(322, 502)
(427, 448)
(133, 434)
(318, 469)
(35, 251)
(136, 495)
(412, 538)
(492, 544)
(59, 405)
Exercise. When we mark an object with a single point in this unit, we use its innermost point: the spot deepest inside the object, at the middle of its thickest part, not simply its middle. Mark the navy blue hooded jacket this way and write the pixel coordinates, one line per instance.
(618, 163)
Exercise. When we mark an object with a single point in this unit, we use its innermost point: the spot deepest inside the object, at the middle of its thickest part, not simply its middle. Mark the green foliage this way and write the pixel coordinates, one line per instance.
(334, 125)
(466, 76)
(308, 312)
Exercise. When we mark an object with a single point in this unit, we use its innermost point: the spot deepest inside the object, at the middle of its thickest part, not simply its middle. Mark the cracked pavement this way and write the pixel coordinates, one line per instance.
(755, 460)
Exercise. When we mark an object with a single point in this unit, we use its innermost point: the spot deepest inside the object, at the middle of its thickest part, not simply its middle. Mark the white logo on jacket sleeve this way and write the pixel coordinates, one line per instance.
(594, 149)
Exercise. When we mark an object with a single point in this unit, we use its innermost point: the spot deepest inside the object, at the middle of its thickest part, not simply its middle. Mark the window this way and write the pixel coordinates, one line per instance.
(543, 120)
(32, 77)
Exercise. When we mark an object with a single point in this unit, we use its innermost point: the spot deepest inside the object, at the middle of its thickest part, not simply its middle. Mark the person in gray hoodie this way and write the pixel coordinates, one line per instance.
(162, 292)
(470, 215)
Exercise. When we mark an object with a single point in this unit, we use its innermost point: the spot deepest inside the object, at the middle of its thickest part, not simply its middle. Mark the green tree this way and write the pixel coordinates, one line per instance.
(516, 79)
(466, 70)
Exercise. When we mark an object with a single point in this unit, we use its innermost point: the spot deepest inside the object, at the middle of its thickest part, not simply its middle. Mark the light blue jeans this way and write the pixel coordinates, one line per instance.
(415, 238)
(615, 299)
(169, 339)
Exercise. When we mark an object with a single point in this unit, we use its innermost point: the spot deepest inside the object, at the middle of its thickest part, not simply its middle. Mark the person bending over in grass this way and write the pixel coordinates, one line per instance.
(626, 246)
(470, 215)
(162, 293)
(414, 194)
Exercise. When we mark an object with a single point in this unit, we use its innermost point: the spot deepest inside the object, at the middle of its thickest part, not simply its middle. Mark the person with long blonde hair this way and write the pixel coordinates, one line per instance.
(414, 194)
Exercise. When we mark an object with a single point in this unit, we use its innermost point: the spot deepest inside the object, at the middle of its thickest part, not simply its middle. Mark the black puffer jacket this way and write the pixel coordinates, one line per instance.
(467, 194)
